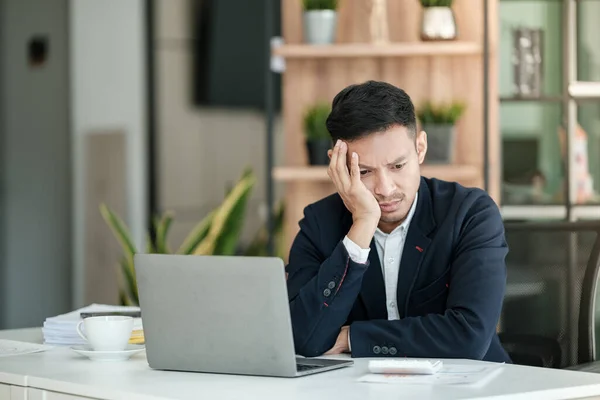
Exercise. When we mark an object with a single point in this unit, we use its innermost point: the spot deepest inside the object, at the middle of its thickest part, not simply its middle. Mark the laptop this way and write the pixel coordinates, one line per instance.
(220, 314)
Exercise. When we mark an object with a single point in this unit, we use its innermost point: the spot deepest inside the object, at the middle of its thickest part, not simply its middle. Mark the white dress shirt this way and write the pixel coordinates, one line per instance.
(389, 249)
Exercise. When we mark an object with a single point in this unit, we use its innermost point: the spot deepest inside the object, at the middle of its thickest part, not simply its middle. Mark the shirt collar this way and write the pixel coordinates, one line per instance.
(403, 227)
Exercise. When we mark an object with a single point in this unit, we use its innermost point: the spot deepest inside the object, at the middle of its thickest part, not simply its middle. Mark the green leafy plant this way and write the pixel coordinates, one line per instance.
(258, 246)
(436, 3)
(440, 114)
(217, 233)
(310, 5)
(315, 121)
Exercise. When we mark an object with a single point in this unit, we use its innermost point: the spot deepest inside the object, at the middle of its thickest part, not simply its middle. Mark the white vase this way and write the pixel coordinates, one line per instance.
(438, 23)
(320, 26)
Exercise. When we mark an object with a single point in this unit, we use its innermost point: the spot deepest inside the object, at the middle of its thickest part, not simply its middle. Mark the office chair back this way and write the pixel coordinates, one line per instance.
(548, 316)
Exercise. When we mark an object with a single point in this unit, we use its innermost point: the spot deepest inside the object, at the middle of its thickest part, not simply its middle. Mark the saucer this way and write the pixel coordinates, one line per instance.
(95, 355)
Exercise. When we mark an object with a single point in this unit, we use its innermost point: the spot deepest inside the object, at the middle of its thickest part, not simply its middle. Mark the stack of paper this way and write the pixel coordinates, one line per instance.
(450, 374)
(62, 329)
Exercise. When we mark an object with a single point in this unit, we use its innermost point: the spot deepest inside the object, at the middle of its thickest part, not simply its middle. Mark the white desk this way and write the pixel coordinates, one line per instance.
(61, 374)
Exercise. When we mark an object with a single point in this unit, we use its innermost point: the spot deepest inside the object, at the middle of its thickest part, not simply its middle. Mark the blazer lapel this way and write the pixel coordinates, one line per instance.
(373, 287)
(415, 246)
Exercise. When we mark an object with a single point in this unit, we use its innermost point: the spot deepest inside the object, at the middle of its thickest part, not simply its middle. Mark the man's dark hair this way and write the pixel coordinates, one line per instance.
(369, 107)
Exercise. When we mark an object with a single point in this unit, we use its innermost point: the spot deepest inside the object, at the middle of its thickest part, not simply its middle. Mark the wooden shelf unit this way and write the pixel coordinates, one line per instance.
(319, 174)
(360, 50)
(439, 71)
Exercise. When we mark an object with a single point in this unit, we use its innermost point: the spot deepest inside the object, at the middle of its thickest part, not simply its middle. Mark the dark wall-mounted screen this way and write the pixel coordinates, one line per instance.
(231, 53)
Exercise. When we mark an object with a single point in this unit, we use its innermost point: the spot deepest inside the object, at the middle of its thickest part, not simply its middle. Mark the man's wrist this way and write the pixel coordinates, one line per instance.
(362, 231)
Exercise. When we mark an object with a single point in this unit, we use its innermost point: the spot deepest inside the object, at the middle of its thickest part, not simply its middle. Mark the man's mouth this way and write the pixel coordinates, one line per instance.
(389, 206)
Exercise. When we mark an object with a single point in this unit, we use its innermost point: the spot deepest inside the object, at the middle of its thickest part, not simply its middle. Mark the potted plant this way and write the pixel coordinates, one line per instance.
(320, 21)
(217, 233)
(318, 140)
(438, 121)
(437, 20)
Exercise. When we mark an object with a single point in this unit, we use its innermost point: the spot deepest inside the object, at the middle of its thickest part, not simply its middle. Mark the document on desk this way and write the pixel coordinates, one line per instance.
(450, 374)
(15, 348)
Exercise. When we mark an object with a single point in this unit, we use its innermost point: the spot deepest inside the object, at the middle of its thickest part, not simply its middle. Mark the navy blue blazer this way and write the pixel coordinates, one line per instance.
(451, 280)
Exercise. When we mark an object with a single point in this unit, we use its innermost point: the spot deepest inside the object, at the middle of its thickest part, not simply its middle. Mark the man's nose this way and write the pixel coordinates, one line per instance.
(384, 186)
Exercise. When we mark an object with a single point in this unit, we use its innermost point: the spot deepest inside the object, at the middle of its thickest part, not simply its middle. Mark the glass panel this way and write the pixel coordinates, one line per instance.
(527, 66)
(588, 69)
(531, 154)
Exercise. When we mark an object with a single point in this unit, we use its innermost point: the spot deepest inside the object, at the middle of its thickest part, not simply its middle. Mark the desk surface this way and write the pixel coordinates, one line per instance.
(62, 370)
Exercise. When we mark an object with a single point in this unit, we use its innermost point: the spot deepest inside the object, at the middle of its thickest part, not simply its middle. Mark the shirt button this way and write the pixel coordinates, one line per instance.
(384, 350)
(376, 349)
(391, 259)
(393, 304)
(326, 292)
(331, 285)
(393, 351)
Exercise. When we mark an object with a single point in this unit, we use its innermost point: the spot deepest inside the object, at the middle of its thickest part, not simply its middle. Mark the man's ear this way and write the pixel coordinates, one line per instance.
(329, 153)
(421, 143)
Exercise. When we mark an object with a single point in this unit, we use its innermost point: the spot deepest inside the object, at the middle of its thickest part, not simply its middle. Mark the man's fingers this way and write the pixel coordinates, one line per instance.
(333, 163)
(341, 166)
(333, 351)
(354, 170)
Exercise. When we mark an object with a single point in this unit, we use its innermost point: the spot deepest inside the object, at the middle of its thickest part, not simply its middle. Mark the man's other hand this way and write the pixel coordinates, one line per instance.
(341, 343)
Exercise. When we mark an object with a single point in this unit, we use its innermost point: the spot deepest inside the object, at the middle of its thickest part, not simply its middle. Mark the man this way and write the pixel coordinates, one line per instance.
(394, 264)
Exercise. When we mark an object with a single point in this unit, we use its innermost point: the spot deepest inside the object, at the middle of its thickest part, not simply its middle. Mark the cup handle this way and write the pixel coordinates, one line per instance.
(80, 332)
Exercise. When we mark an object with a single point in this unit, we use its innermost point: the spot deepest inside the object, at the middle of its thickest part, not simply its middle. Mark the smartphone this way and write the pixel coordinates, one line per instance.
(134, 314)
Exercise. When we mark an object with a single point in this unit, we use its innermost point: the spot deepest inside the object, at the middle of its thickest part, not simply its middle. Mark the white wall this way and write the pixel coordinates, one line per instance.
(35, 173)
(108, 90)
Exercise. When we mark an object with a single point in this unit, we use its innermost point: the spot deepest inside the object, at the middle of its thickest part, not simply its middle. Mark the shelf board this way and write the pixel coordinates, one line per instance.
(542, 211)
(397, 49)
(319, 174)
(532, 99)
(584, 90)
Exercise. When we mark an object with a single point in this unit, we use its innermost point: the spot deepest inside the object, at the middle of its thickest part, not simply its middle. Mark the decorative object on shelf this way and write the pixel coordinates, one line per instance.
(217, 233)
(527, 61)
(584, 183)
(437, 21)
(438, 121)
(378, 22)
(318, 140)
(320, 21)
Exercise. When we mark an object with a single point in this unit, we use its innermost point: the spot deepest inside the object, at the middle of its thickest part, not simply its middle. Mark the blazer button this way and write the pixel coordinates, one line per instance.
(384, 350)
(326, 292)
(376, 349)
(393, 351)
(331, 285)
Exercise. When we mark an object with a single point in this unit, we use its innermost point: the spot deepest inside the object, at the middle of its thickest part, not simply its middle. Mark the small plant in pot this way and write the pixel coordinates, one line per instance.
(318, 140)
(437, 21)
(439, 122)
(320, 21)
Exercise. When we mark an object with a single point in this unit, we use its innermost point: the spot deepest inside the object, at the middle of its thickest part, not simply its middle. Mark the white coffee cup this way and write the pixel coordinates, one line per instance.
(106, 333)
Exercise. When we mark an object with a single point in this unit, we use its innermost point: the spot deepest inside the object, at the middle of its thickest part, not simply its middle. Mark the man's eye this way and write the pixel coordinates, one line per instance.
(399, 166)
(363, 172)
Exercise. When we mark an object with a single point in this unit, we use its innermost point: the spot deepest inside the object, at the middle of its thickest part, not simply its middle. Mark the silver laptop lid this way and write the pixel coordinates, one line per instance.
(219, 314)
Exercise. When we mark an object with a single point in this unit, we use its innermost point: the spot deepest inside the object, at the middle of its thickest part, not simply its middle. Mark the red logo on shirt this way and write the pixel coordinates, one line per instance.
(420, 249)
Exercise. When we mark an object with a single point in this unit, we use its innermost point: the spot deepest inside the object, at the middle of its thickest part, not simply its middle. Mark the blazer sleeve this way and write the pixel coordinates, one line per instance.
(476, 292)
(322, 288)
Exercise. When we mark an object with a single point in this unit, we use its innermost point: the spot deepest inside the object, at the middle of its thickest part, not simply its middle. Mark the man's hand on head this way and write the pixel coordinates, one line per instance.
(341, 344)
(358, 199)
